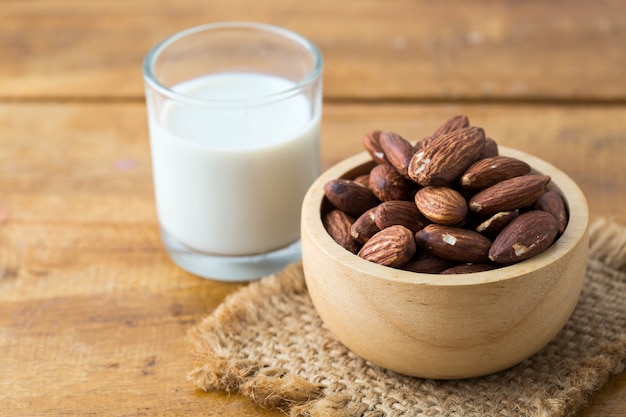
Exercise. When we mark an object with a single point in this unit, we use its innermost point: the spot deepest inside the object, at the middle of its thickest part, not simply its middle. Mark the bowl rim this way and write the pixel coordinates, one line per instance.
(577, 228)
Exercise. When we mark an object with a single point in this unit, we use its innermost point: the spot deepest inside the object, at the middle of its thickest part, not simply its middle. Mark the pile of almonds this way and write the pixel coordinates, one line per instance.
(446, 204)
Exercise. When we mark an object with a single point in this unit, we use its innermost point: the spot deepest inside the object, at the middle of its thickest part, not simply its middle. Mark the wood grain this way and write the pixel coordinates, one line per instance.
(92, 312)
(92, 309)
(400, 49)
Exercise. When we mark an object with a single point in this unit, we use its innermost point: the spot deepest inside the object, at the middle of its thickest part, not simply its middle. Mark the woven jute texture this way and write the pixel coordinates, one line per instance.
(267, 342)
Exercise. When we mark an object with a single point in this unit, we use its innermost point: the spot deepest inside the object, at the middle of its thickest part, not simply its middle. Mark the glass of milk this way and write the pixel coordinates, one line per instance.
(234, 116)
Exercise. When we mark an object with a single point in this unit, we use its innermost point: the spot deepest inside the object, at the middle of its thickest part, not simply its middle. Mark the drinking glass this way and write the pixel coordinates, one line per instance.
(234, 114)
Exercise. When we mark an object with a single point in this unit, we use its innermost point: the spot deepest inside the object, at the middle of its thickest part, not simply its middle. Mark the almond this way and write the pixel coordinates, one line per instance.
(388, 184)
(454, 243)
(510, 194)
(363, 180)
(526, 236)
(422, 143)
(450, 195)
(452, 124)
(490, 171)
(553, 203)
(404, 213)
(446, 157)
(338, 224)
(371, 143)
(468, 268)
(441, 205)
(494, 224)
(365, 227)
(490, 149)
(428, 264)
(398, 151)
(393, 246)
(349, 196)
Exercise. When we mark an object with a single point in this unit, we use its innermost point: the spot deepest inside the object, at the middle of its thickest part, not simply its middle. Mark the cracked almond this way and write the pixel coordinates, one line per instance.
(365, 227)
(447, 157)
(371, 143)
(494, 224)
(526, 236)
(453, 243)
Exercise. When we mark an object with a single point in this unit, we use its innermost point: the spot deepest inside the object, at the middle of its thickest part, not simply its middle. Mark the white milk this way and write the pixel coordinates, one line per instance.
(231, 181)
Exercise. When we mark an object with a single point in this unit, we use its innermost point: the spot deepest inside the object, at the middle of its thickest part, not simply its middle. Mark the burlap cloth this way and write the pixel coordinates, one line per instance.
(267, 342)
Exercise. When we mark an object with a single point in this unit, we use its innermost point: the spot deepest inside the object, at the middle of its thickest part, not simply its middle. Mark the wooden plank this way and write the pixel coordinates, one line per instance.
(93, 314)
(110, 354)
(401, 49)
(101, 151)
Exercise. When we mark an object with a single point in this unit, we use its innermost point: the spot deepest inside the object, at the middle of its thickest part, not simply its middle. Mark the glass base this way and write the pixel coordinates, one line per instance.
(230, 268)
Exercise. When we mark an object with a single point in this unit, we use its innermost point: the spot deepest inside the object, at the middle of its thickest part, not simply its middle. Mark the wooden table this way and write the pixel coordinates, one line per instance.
(93, 314)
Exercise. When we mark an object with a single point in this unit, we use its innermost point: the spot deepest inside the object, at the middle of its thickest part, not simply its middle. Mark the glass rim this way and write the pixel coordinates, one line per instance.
(152, 80)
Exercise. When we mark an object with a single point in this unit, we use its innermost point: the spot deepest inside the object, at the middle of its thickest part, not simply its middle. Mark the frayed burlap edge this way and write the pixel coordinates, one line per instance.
(214, 368)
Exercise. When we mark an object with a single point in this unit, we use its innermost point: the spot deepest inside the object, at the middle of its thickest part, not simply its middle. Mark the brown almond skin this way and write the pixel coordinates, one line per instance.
(468, 269)
(363, 180)
(365, 227)
(398, 151)
(422, 143)
(447, 157)
(393, 246)
(441, 205)
(349, 196)
(371, 143)
(428, 264)
(490, 171)
(338, 224)
(388, 184)
(456, 244)
(494, 224)
(510, 194)
(553, 203)
(489, 149)
(452, 124)
(405, 213)
(526, 236)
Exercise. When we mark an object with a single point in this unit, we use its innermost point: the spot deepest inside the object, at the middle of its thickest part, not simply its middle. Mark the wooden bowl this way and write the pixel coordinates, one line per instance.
(444, 326)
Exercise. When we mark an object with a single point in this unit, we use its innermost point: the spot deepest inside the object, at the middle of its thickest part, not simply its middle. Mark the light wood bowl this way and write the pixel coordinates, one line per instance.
(444, 326)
